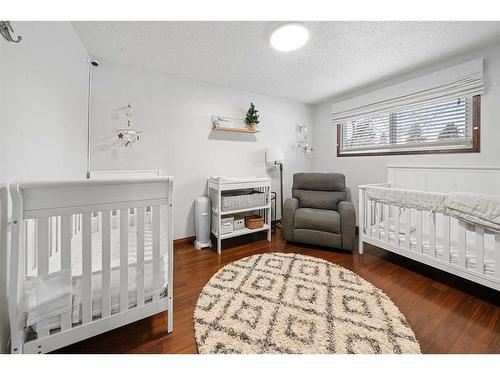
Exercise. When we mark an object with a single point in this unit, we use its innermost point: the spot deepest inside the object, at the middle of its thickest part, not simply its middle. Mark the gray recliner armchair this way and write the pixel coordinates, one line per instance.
(318, 213)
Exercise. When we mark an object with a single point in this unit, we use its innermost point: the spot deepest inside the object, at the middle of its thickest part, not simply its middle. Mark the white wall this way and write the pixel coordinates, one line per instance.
(43, 91)
(372, 169)
(43, 100)
(175, 114)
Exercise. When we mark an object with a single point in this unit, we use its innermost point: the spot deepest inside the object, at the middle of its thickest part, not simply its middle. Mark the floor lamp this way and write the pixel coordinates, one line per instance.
(275, 155)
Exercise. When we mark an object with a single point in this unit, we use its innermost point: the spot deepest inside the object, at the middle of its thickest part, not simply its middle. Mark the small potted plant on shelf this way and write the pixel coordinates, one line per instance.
(252, 118)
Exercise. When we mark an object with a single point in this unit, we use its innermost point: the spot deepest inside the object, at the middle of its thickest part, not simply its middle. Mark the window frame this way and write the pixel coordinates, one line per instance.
(475, 147)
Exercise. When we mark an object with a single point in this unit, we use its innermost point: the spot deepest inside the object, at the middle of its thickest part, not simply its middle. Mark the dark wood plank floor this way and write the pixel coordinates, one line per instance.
(448, 314)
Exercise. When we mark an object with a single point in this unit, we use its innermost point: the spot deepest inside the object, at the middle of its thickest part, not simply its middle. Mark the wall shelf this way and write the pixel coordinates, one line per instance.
(231, 124)
(238, 130)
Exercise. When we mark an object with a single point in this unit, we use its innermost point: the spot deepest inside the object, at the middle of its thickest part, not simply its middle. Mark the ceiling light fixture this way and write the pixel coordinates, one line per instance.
(289, 37)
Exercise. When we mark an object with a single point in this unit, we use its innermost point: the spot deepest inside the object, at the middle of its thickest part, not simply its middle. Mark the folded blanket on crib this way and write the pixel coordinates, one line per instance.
(479, 209)
(407, 198)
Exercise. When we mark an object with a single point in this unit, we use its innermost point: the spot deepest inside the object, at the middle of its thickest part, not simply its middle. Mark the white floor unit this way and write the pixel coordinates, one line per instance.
(262, 205)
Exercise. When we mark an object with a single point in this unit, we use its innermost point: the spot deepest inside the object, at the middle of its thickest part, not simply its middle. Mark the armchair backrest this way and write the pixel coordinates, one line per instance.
(319, 190)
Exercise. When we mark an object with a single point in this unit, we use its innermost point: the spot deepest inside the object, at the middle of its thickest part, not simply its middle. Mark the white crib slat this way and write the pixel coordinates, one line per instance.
(369, 218)
(58, 234)
(397, 219)
(408, 228)
(86, 268)
(479, 249)
(462, 234)
(387, 220)
(446, 238)
(43, 246)
(377, 220)
(497, 255)
(123, 260)
(361, 202)
(66, 262)
(156, 252)
(140, 255)
(53, 235)
(65, 242)
(106, 263)
(419, 230)
(43, 257)
(432, 234)
(31, 262)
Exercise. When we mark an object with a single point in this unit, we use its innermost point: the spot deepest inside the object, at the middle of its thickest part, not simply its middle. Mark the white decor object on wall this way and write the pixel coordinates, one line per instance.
(303, 144)
(128, 136)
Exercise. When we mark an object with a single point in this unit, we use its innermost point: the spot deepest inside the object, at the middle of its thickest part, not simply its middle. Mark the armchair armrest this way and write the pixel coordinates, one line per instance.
(288, 214)
(347, 224)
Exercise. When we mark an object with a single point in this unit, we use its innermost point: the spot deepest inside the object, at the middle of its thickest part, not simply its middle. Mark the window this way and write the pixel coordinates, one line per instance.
(446, 126)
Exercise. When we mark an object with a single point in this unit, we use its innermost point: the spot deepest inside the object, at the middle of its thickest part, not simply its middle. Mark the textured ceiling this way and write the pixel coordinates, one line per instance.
(339, 56)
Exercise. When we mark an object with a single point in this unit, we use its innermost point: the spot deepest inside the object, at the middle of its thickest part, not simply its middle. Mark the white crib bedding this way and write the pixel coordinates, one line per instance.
(52, 320)
(46, 313)
(489, 244)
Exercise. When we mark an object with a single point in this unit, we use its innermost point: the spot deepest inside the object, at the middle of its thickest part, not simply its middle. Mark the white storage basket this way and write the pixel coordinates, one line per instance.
(226, 226)
(238, 199)
(239, 223)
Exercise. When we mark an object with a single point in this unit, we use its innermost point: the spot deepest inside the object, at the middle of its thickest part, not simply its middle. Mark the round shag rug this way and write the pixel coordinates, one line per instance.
(291, 303)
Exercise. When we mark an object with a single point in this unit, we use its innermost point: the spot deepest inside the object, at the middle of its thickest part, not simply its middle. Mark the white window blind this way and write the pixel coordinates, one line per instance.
(437, 125)
(431, 112)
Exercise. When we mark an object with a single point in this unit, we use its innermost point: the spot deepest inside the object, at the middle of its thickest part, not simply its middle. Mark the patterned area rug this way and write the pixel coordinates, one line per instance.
(291, 303)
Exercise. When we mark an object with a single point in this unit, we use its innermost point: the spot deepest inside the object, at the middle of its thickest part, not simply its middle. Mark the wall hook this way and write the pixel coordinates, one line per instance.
(6, 30)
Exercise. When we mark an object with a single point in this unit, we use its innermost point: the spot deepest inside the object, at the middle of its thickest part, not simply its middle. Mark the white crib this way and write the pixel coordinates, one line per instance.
(87, 257)
(434, 238)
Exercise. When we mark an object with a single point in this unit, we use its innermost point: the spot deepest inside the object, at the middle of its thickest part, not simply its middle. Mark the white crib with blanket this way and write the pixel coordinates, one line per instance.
(87, 257)
(421, 214)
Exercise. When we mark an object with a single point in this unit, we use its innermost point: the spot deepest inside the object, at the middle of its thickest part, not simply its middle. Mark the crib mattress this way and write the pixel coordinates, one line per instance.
(76, 250)
(44, 310)
(489, 245)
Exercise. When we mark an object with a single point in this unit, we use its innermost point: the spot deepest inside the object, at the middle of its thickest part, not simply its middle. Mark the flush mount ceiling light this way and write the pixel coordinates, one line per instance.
(289, 37)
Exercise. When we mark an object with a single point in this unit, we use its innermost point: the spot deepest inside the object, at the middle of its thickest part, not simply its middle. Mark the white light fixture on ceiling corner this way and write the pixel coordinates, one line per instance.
(289, 37)
(128, 136)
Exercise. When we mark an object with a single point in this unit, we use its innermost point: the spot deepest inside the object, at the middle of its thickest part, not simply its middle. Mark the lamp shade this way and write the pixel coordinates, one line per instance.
(274, 154)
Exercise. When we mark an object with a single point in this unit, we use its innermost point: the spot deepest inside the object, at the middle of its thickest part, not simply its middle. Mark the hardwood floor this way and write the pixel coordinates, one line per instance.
(447, 314)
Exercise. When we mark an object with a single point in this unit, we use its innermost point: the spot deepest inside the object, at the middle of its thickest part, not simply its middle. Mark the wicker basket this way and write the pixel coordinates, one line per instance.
(254, 222)
(242, 198)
